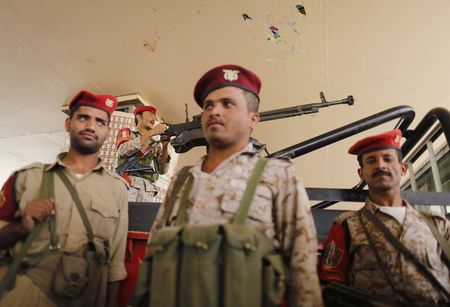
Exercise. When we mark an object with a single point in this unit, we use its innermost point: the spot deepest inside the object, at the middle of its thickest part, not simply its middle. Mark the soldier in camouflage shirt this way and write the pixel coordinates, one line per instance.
(348, 256)
(280, 208)
(144, 138)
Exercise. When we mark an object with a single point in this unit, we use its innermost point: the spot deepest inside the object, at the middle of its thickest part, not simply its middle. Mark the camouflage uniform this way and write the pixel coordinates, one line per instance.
(142, 186)
(348, 256)
(280, 209)
(103, 195)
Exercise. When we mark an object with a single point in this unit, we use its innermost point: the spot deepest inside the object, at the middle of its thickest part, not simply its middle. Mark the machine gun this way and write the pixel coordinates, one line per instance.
(185, 136)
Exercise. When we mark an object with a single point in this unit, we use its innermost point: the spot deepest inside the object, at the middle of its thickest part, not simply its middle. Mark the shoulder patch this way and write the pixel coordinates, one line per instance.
(344, 216)
(123, 135)
(8, 205)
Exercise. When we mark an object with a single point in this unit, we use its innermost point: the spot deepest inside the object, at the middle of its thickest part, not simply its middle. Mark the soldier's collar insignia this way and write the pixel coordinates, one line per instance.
(230, 74)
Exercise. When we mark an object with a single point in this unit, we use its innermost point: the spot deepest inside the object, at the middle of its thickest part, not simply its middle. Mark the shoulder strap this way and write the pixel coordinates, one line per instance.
(439, 237)
(46, 191)
(384, 268)
(178, 183)
(244, 206)
(398, 245)
(77, 201)
(182, 211)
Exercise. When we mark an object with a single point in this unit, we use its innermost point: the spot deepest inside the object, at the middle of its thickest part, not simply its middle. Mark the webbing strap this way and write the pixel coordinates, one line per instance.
(46, 191)
(439, 237)
(178, 183)
(182, 211)
(244, 206)
(399, 246)
(77, 202)
(246, 200)
(382, 265)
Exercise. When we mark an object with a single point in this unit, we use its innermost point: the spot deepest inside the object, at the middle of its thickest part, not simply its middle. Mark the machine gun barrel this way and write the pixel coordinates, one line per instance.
(189, 134)
(303, 109)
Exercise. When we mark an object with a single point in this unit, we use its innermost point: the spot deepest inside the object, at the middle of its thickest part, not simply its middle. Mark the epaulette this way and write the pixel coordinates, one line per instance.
(29, 166)
(118, 177)
(341, 218)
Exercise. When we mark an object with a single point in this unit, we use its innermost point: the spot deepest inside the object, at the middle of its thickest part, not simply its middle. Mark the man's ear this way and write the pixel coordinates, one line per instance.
(254, 119)
(67, 124)
(360, 173)
(404, 168)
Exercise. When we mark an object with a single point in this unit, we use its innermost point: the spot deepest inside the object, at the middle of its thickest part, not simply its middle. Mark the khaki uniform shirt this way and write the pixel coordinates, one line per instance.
(143, 188)
(104, 197)
(280, 209)
(414, 234)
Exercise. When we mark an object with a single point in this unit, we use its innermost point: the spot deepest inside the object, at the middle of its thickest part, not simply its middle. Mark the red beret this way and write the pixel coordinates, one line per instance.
(144, 108)
(226, 75)
(107, 103)
(390, 139)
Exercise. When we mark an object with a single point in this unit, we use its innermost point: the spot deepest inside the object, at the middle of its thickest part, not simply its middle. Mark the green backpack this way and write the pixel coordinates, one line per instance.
(227, 265)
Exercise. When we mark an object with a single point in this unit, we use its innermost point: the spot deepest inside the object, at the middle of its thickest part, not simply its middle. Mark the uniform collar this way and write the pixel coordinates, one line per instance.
(59, 162)
(373, 207)
(247, 150)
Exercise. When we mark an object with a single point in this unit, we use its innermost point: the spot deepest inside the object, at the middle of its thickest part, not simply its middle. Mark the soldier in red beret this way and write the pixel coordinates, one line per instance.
(229, 98)
(357, 251)
(144, 139)
(45, 205)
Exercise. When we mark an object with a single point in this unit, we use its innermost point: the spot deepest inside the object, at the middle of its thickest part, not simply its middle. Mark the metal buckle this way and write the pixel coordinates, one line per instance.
(54, 246)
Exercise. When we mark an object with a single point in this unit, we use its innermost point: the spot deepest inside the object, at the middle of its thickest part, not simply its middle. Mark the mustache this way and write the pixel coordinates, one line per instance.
(89, 131)
(214, 121)
(381, 173)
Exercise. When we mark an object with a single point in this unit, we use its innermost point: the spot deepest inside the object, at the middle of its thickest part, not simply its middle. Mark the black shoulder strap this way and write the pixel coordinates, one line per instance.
(398, 245)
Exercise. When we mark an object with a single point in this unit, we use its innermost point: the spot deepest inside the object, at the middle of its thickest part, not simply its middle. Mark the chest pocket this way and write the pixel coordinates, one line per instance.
(103, 216)
(360, 251)
(262, 203)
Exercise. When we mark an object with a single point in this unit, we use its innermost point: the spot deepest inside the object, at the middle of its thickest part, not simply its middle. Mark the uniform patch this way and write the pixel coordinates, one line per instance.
(2, 198)
(123, 135)
(230, 74)
(8, 206)
(332, 255)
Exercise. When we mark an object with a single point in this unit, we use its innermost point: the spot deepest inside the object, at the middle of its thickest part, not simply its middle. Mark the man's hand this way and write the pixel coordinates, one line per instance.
(156, 130)
(37, 211)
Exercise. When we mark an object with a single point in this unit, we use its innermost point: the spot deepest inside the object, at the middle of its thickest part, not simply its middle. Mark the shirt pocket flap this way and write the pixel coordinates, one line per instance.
(105, 209)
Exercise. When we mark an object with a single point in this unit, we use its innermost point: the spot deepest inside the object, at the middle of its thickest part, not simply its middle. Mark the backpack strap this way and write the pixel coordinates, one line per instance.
(46, 191)
(246, 200)
(241, 214)
(182, 211)
(178, 183)
(439, 237)
(399, 246)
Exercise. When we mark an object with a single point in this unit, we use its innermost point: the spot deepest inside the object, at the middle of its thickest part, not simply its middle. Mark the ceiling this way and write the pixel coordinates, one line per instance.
(50, 49)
